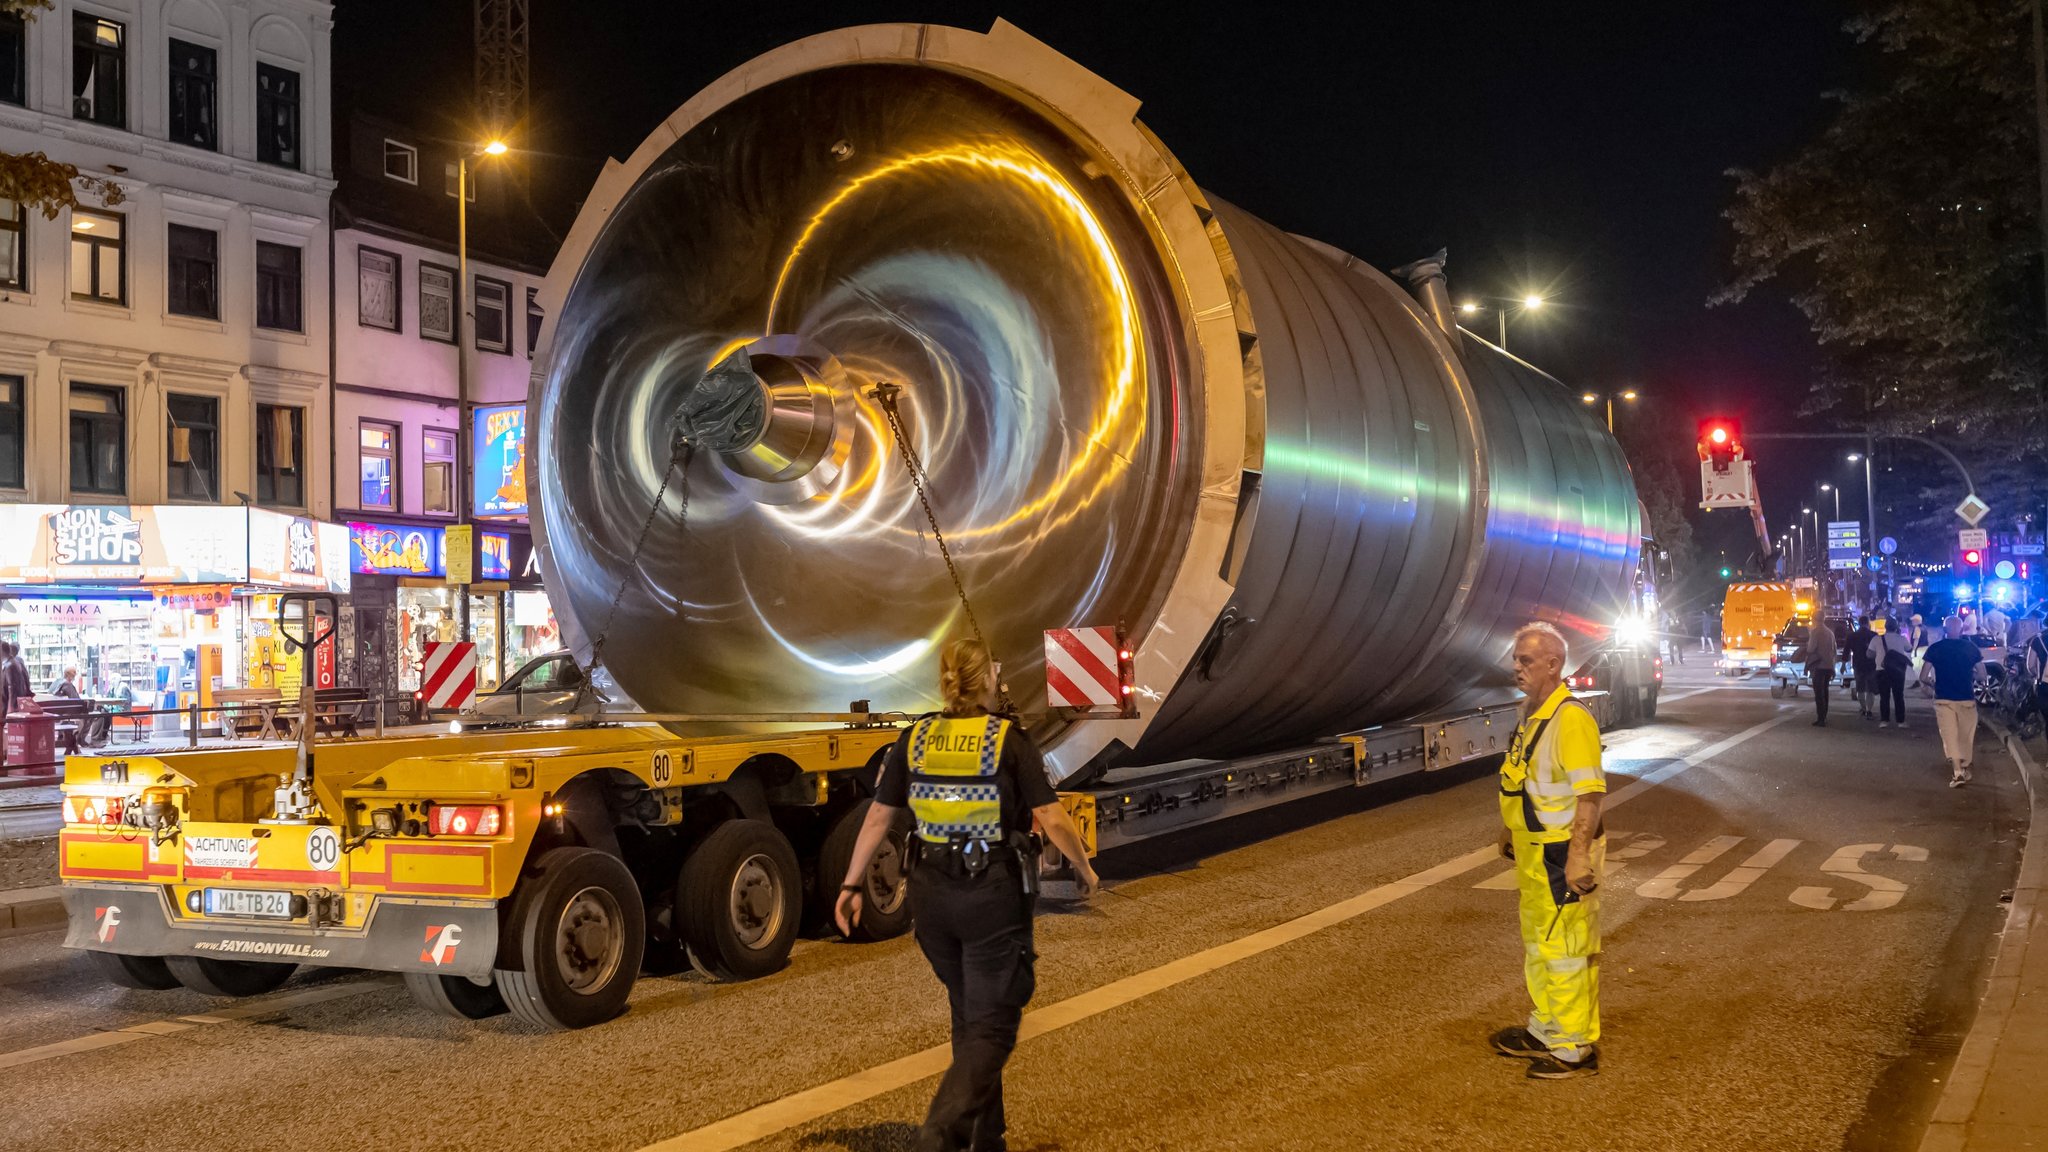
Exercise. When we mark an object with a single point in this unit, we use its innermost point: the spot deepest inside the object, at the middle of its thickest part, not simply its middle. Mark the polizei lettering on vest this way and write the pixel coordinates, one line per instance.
(955, 743)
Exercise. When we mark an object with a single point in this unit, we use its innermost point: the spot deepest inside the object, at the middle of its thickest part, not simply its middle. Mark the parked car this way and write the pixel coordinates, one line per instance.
(1788, 676)
(545, 686)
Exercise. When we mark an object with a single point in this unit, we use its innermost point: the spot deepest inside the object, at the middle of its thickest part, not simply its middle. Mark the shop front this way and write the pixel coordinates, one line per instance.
(510, 604)
(158, 606)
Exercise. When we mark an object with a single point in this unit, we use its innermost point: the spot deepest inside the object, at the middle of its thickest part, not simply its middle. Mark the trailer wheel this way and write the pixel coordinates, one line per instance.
(885, 905)
(456, 996)
(205, 975)
(740, 900)
(579, 930)
(1650, 704)
(148, 973)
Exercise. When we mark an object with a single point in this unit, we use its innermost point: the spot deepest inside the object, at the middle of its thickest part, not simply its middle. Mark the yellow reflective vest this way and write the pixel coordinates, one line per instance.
(953, 763)
(1554, 759)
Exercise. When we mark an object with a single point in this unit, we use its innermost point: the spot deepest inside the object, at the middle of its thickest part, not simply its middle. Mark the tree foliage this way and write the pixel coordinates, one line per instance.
(1908, 233)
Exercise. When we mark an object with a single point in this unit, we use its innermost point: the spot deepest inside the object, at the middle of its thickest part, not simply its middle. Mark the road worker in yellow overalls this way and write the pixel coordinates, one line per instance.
(1551, 791)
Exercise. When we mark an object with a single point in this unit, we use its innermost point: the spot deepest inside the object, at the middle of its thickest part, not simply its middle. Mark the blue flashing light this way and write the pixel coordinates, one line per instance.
(1966, 591)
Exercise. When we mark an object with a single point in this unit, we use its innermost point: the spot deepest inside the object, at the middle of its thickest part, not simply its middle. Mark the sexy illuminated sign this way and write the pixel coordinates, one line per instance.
(394, 549)
(498, 438)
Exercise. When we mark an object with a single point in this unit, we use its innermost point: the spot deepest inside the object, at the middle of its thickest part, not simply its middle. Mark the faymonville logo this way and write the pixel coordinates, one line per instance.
(108, 918)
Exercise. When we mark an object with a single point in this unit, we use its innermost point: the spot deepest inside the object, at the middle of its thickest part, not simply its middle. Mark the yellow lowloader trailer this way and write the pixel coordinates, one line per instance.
(534, 870)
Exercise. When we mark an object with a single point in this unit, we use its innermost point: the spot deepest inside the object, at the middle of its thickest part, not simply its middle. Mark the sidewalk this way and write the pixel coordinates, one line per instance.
(1993, 1099)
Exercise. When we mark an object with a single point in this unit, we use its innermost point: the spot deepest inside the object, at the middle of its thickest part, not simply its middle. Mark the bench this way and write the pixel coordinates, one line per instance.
(71, 717)
(249, 712)
(336, 712)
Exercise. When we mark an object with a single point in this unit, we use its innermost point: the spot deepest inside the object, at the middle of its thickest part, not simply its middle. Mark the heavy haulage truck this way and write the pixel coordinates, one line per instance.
(891, 335)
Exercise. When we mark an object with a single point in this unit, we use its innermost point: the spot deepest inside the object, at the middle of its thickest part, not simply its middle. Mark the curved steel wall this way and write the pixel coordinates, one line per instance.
(1313, 509)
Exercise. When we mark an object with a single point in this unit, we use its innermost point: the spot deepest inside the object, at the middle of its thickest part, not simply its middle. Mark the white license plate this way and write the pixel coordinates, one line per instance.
(247, 902)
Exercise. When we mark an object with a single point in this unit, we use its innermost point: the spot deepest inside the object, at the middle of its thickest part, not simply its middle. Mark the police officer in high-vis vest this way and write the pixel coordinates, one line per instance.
(974, 781)
(1551, 791)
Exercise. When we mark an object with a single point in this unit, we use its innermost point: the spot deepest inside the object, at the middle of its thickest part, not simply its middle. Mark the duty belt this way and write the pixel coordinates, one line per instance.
(970, 856)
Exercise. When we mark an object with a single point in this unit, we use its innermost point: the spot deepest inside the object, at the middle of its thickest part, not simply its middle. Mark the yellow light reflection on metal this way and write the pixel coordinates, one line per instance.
(1121, 421)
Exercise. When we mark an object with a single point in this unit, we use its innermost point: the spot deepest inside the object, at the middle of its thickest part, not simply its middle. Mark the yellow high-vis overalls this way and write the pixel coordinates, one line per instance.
(1555, 759)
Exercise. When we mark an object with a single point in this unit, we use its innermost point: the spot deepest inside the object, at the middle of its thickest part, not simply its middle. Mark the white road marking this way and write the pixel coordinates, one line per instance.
(1688, 694)
(1744, 874)
(244, 1011)
(1665, 885)
(815, 1103)
(1847, 864)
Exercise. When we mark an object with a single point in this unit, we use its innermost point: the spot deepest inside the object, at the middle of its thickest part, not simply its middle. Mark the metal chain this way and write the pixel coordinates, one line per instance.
(885, 394)
(678, 463)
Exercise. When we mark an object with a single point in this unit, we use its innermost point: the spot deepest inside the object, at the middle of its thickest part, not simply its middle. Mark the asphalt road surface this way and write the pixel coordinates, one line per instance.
(1798, 922)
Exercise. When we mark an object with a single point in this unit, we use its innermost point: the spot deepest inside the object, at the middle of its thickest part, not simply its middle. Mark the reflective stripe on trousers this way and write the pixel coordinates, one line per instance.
(1560, 944)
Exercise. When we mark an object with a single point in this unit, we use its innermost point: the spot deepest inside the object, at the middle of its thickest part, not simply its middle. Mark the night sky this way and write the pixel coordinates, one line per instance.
(1577, 150)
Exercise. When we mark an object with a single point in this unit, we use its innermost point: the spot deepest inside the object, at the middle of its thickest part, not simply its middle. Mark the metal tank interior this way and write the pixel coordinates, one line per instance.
(1312, 507)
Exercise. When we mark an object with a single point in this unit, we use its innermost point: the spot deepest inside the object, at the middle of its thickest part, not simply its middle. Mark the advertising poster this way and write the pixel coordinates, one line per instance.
(118, 544)
(297, 552)
(457, 549)
(498, 442)
(494, 550)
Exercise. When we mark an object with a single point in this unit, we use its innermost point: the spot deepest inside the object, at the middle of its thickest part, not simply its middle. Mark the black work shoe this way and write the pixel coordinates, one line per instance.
(1548, 1067)
(1518, 1042)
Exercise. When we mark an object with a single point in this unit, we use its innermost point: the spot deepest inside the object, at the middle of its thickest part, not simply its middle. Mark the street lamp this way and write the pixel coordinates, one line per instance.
(465, 466)
(1628, 395)
(1838, 498)
(1500, 308)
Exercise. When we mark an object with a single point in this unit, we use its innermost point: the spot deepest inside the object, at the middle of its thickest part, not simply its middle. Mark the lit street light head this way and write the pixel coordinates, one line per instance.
(1629, 395)
(1532, 302)
(495, 148)
(1855, 457)
(1590, 398)
(1468, 307)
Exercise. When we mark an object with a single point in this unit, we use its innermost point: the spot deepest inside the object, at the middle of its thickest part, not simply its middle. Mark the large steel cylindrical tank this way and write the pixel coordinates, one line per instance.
(1311, 507)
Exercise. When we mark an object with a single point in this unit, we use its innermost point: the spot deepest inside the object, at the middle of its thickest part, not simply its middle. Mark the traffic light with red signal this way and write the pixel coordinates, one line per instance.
(1972, 558)
(1720, 442)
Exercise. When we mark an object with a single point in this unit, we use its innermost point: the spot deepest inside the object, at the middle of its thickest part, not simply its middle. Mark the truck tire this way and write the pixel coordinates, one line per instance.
(740, 900)
(579, 929)
(149, 973)
(1650, 703)
(210, 977)
(885, 905)
(456, 996)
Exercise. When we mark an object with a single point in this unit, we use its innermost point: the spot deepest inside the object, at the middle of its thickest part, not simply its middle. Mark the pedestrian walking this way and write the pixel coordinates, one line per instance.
(974, 782)
(1892, 652)
(1997, 625)
(1863, 668)
(1956, 663)
(1678, 642)
(1551, 791)
(1818, 656)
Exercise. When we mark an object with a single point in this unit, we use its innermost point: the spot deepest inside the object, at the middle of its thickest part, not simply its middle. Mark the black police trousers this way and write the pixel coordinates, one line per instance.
(976, 931)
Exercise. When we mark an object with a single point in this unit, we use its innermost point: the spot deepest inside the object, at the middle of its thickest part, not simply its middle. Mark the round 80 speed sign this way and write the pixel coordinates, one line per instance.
(323, 849)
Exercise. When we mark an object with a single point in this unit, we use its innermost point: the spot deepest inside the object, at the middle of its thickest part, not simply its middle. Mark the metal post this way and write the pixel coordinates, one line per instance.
(380, 717)
(192, 722)
(1502, 312)
(2041, 124)
(1610, 413)
(465, 481)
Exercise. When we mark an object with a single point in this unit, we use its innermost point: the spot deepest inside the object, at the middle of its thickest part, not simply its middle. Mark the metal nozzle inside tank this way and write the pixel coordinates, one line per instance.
(774, 412)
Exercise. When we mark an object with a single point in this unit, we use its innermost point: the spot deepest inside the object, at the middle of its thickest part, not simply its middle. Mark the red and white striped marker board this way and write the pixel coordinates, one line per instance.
(1083, 669)
(448, 675)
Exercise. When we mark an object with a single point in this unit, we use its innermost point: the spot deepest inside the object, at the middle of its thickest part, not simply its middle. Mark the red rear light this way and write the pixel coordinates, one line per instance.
(466, 820)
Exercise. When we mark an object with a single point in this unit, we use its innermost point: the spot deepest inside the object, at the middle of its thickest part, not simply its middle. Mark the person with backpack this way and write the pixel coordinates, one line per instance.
(1892, 653)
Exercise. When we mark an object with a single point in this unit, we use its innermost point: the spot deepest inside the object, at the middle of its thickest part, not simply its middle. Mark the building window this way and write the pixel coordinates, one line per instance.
(99, 71)
(13, 59)
(13, 246)
(377, 289)
(401, 162)
(280, 445)
(99, 441)
(99, 256)
(192, 95)
(437, 302)
(277, 286)
(193, 448)
(452, 179)
(493, 315)
(533, 319)
(277, 115)
(193, 271)
(379, 465)
(13, 470)
(438, 487)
